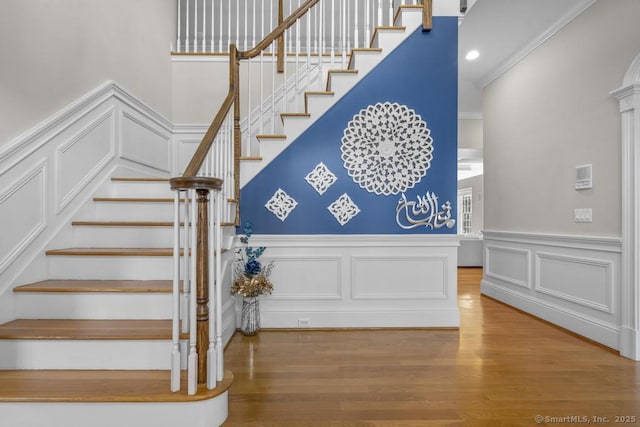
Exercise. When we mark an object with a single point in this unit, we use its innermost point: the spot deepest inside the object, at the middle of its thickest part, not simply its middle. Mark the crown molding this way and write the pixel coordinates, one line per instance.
(534, 44)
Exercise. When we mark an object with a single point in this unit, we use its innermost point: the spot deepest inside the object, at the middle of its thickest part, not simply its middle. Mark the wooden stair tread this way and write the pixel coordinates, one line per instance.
(135, 199)
(123, 223)
(319, 92)
(100, 386)
(271, 136)
(116, 286)
(112, 251)
(251, 158)
(346, 71)
(84, 329)
(142, 179)
(295, 114)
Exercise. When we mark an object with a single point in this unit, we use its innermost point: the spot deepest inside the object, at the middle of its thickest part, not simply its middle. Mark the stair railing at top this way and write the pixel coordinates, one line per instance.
(203, 199)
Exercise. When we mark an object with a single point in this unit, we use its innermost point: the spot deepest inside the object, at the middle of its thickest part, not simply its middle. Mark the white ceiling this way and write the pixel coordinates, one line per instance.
(504, 31)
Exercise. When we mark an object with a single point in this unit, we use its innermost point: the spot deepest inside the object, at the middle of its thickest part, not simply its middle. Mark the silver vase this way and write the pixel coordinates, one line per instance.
(250, 320)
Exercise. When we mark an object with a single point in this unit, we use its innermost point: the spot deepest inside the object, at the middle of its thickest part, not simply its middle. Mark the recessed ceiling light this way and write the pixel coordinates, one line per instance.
(471, 55)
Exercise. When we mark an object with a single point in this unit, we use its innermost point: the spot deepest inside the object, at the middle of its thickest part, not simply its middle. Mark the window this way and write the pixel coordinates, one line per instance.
(465, 211)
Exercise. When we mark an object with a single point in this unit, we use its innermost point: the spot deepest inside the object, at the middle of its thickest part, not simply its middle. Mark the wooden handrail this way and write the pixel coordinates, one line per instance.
(207, 140)
(279, 30)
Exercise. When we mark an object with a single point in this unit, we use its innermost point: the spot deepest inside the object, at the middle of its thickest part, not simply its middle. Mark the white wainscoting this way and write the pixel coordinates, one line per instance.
(335, 281)
(571, 281)
(49, 172)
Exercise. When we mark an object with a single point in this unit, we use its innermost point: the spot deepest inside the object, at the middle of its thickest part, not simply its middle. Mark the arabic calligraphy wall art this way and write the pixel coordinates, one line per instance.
(382, 160)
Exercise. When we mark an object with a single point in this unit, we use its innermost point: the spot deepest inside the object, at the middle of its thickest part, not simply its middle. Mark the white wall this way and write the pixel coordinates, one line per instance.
(470, 133)
(552, 112)
(55, 51)
(549, 113)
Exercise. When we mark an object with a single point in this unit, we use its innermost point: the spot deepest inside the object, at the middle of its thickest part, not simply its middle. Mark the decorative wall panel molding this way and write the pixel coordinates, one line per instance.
(508, 264)
(583, 281)
(360, 281)
(144, 142)
(575, 282)
(307, 277)
(399, 278)
(23, 212)
(81, 158)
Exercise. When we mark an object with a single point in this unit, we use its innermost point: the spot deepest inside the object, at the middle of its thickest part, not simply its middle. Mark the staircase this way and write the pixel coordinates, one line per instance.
(96, 336)
(92, 344)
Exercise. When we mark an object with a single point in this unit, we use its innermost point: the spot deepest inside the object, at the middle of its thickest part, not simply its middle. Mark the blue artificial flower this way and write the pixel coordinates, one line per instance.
(252, 267)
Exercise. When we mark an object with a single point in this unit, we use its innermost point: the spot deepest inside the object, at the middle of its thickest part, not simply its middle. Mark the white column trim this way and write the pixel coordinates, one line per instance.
(629, 97)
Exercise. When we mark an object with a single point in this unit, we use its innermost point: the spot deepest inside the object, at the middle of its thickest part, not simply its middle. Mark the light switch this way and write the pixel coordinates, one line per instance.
(583, 215)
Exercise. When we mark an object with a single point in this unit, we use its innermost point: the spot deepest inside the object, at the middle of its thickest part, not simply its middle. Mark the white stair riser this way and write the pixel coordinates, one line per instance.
(203, 413)
(341, 83)
(139, 189)
(93, 305)
(124, 237)
(390, 39)
(365, 61)
(124, 211)
(87, 354)
(111, 267)
(317, 105)
(409, 18)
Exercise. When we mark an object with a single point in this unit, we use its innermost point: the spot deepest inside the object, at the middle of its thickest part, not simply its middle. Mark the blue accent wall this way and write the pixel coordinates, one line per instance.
(421, 74)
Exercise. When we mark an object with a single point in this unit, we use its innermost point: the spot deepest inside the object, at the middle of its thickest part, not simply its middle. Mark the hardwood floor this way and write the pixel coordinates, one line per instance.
(502, 368)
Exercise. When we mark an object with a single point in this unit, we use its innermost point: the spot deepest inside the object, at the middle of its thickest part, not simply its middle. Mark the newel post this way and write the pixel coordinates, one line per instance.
(237, 136)
(202, 284)
(427, 15)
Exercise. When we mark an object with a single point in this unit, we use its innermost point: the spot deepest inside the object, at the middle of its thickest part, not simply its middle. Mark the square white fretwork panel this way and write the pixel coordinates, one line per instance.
(321, 178)
(343, 209)
(281, 204)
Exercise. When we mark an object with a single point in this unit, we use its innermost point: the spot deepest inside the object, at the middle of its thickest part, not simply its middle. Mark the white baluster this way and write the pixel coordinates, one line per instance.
(229, 26)
(379, 13)
(253, 26)
(273, 87)
(347, 30)
(186, 278)
(344, 34)
(213, 299)
(321, 38)
(297, 53)
(238, 23)
(175, 324)
(186, 26)
(356, 36)
(195, 26)
(308, 35)
(249, 107)
(390, 13)
(333, 30)
(192, 362)
(246, 28)
(213, 26)
(218, 275)
(261, 124)
(317, 31)
(178, 37)
(284, 74)
(220, 26)
(204, 23)
(367, 24)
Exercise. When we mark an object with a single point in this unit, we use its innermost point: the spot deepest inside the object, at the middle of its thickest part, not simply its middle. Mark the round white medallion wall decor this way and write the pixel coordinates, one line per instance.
(387, 148)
